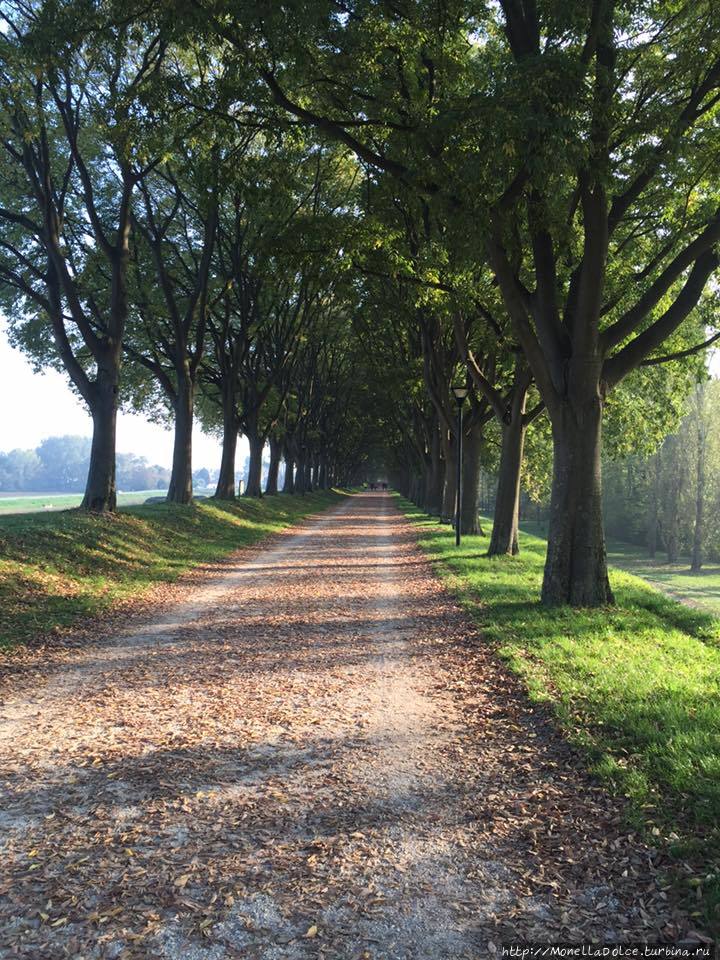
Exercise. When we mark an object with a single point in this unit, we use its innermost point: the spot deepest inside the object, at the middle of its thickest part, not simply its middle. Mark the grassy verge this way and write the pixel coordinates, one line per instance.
(57, 568)
(638, 686)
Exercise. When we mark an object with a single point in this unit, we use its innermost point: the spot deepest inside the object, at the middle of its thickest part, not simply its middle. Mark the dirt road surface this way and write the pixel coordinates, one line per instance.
(310, 753)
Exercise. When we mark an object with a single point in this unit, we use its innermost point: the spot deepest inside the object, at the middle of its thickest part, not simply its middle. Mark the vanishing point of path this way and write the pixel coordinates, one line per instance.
(309, 753)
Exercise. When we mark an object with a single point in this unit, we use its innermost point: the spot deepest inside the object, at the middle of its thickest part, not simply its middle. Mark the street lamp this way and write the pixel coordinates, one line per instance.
(459, 392)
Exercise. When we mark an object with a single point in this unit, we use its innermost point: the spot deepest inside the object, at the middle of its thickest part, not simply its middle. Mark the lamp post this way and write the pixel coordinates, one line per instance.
(459, 392)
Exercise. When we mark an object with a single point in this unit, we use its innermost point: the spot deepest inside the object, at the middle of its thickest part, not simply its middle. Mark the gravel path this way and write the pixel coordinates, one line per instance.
(309, 754)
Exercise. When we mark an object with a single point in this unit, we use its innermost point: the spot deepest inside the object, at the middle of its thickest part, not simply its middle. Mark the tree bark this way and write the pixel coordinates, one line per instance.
(225, 489)
(254, 484)
(289, 479)
(271, 487)
(180, 489)
(472, 447)
(436, 479)
(576, 564)
(447, 510)
(100, 490)
(504, 539)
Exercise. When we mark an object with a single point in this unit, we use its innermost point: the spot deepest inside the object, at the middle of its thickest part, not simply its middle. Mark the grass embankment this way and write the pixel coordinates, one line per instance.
(637, 685)
(57, 568)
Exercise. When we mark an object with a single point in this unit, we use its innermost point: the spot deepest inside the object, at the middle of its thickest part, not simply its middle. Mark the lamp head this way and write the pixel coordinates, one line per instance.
(460, 392)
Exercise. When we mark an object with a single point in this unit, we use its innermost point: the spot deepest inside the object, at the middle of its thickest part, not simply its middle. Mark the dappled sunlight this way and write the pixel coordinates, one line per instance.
(288, 738)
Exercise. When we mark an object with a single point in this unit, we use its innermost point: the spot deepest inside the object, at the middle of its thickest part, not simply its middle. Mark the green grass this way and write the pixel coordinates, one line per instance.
(637, 686)
(58, 567)
(36, 502)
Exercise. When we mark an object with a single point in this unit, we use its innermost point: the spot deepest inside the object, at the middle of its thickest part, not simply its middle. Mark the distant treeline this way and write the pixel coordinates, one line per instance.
(670, 502)
(61, 464)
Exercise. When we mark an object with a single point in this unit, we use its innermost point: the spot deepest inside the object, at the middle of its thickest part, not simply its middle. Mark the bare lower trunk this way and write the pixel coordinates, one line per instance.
(254, 485)
(180, 489)
(576, 565)
(447, 511)
(289, 479)
(504, 540)
(472, 446)
(100, 491)
(436, 479)
(225, 489)
(271, 487)
(301, 476)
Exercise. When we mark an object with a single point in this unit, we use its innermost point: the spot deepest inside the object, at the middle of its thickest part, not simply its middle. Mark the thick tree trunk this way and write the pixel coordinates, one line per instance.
(254, 480)
(576, 564)
(301, 476)
(289, 480)
(504, 539)
(180, 489)
(447, 510)
(225, 489)
(323, 474)
(472, 447)
(436, 480)
(100, 491)
(271, 487)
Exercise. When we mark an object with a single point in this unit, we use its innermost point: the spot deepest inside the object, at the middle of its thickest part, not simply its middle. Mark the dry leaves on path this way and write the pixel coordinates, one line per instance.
(308, 754)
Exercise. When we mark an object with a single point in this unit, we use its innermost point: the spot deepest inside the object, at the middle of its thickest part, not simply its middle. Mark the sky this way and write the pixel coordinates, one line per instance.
(39, 405)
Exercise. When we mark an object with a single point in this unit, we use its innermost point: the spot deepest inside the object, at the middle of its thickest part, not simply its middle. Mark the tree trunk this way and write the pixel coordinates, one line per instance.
(447, 511)
(100, 490)
(254, 485)
(271, 487)
(300, 475)
(289, 479)
(576, 564)
(436, 482)
(698, 534)
(225, 489)
(323, 474)
(472, 447)
(180, 489)
(504, 540)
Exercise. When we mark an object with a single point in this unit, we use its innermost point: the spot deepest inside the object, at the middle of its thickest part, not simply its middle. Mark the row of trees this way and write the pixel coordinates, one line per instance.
(62, 464)
(305, 222)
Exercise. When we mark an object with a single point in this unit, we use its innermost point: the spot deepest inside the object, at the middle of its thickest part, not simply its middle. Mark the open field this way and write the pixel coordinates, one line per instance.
(46, 502)
(56, 568)
(637, 686)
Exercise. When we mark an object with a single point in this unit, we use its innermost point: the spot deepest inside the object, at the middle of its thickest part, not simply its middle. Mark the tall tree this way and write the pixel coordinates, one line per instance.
(71, 119)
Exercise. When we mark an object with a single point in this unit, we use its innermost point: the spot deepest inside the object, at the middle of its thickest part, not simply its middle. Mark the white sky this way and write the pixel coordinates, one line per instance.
(35, 406)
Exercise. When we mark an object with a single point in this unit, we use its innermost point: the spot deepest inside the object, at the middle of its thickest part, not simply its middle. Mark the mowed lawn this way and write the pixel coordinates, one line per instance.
(636, 685)
(46, 502)
(58, 567)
